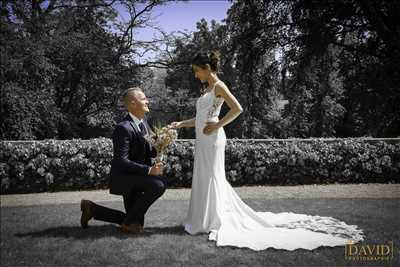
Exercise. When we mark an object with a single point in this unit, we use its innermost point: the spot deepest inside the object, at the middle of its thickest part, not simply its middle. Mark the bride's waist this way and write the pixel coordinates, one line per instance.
(200, 124)
(205, 119)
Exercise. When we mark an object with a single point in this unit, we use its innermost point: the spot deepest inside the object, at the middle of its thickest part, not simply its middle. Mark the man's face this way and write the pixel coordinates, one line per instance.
(140, 102)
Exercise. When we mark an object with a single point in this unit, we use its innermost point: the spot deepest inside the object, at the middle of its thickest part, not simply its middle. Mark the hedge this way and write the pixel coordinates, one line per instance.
(55, 165)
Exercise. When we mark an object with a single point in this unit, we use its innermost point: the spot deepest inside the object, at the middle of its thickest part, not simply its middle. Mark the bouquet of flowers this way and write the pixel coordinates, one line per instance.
(161, 139)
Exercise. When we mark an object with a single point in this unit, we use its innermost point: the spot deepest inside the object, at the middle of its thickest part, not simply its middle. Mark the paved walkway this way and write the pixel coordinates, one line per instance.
(248, 192)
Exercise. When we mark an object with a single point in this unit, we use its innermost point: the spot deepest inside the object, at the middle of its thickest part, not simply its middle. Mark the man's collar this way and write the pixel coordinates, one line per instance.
(135, 119)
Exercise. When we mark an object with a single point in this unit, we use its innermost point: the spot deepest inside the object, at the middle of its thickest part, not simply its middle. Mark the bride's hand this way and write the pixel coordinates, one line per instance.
(210, 127)
(175, 125)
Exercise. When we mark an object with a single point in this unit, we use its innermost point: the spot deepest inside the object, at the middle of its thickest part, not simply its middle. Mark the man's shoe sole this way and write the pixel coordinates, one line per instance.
(130, 231)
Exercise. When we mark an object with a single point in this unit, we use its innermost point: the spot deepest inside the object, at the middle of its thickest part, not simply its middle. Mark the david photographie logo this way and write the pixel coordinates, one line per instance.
(369, 252)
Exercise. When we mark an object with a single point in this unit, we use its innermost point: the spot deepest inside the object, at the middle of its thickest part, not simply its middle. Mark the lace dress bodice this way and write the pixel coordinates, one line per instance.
(208, 107)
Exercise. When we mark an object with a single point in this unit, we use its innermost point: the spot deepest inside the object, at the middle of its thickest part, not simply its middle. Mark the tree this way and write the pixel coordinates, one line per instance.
(74, 54)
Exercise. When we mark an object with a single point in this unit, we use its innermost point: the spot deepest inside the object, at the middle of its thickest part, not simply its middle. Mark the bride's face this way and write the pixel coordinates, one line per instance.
(200, 73)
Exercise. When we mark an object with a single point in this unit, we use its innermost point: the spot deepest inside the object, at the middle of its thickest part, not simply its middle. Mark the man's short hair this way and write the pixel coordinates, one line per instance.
(129, 93)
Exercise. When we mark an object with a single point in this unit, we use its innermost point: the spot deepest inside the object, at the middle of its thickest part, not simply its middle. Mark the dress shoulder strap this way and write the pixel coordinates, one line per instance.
(216, 83)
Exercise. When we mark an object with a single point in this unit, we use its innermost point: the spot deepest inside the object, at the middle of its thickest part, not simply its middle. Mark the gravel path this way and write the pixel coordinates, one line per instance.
(249, 192)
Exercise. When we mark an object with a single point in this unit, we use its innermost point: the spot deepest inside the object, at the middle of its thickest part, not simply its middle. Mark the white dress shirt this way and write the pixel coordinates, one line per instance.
(136, 120)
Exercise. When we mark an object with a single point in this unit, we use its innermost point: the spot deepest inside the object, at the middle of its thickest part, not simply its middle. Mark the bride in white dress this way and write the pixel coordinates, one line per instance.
(216, 209)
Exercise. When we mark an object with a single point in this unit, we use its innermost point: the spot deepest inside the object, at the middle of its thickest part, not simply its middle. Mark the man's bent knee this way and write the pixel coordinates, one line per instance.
(159, 187)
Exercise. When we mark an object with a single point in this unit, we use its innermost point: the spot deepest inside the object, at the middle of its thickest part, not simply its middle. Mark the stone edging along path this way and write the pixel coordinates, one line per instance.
(252, 192)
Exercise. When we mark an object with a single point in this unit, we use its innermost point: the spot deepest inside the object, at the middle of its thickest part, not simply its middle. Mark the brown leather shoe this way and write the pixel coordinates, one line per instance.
(86, 212)
(134, 228)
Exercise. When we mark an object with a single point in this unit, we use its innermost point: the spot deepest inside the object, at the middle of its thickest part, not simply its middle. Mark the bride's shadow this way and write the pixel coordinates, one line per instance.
(100, 231)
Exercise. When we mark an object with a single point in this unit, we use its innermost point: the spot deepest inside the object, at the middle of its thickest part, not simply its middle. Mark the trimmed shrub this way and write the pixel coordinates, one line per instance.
(54, 165)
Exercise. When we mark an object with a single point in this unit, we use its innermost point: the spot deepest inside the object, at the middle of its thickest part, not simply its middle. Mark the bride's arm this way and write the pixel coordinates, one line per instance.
(186, 123)
(231, 101)
(235, 107)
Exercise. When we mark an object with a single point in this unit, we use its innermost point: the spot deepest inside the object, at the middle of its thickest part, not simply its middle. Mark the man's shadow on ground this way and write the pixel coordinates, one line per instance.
(100, 231)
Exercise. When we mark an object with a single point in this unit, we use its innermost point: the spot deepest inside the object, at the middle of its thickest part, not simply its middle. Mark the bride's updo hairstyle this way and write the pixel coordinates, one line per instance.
(212, 59)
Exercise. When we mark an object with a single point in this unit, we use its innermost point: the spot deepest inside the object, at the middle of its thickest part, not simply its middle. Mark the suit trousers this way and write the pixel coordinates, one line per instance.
(144, 192)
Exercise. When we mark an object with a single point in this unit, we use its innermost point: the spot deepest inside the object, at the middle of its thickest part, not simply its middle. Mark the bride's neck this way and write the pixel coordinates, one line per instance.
(212, 80)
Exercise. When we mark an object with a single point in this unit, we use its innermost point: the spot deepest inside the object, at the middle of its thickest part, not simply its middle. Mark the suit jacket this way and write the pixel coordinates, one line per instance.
(131, 155)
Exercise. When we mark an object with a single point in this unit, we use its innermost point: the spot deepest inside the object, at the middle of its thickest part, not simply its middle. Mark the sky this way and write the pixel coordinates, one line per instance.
(183, 15)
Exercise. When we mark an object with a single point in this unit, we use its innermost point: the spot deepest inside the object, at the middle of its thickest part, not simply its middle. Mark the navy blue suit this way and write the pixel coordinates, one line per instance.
(132, 156)
(129, 175)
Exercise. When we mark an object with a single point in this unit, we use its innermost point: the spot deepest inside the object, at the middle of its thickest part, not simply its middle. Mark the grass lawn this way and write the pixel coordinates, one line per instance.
(50, 235)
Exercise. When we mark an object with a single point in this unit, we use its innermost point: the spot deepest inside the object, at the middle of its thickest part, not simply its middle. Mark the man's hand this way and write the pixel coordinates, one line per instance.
(156, 169)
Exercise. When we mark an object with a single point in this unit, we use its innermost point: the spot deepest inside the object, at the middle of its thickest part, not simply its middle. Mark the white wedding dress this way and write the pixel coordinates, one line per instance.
(216, 209)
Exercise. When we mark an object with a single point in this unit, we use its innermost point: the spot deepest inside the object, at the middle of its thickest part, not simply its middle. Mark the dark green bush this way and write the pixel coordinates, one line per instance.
(53, 165)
